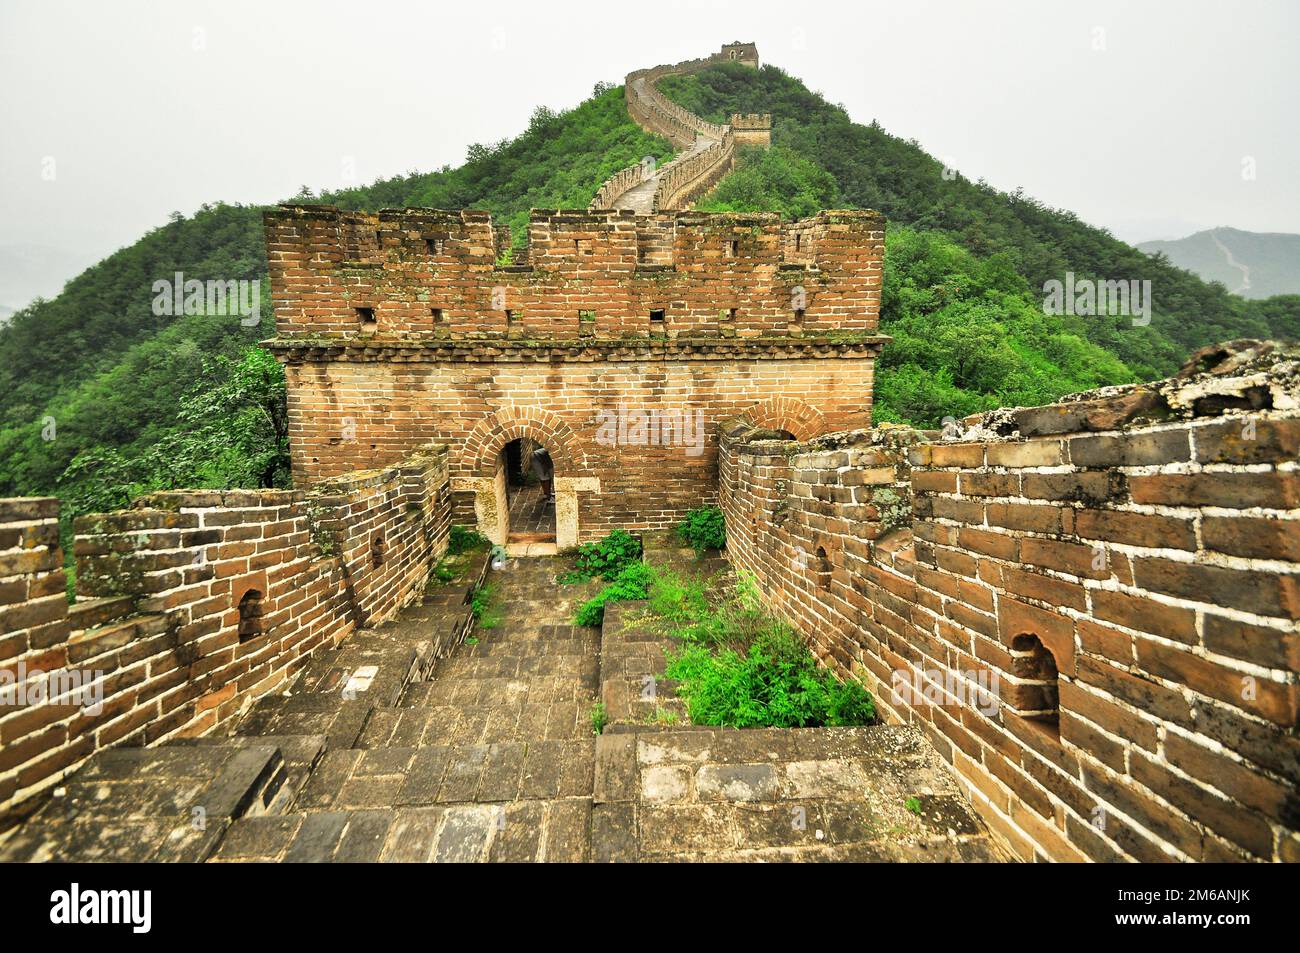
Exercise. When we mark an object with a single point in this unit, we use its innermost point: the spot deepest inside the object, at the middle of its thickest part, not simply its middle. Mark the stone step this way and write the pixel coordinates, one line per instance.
(581, 666)
(491, 690)
(498, 772)
(556, 830)
(339, 720)
(719, 794)
(508, 719)
(301, 753)
(170, 803)
(488, 647)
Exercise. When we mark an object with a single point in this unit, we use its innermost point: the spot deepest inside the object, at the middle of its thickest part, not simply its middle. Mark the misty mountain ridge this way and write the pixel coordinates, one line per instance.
(1251, 264)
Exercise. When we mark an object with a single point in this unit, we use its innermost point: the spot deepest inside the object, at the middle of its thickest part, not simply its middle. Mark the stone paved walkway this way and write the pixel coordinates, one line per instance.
(640, 198)
(532, 516)
(413, 742)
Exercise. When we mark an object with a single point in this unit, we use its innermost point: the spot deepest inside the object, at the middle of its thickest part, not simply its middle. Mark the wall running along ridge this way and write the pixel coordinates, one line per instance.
(157, 626)
(1126, 564)
(399, 329)
(699, 166)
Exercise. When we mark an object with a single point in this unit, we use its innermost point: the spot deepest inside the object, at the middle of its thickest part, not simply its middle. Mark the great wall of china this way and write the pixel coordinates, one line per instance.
(1123, 566)
(708, 150)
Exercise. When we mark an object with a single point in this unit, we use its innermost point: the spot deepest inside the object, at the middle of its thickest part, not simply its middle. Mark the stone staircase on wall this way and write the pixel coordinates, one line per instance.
(424, 739)
(707, 149)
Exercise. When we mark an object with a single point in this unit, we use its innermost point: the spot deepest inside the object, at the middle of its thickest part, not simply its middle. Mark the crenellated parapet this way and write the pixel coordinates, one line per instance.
(432, 275)
(193, 603)
(752, 129)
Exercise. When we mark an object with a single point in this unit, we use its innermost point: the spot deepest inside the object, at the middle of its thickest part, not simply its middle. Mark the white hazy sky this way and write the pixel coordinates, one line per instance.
(1137, 116)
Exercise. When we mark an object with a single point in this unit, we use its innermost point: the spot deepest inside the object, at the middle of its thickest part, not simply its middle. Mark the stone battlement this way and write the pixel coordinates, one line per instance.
(752, 129)
(428, 273)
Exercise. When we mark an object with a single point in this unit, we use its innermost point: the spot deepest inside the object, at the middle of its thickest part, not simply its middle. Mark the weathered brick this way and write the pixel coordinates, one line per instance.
(1253, 537)
(1029, 453)
(1277, 701)
(1131, 449)
(1145, 615)
(1249, 439)
(1135, 529)
(1256, 591)
(1231, 490)
(1263, 645)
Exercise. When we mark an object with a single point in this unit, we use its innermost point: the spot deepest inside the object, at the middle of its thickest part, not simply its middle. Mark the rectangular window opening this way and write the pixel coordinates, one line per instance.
(657, 314)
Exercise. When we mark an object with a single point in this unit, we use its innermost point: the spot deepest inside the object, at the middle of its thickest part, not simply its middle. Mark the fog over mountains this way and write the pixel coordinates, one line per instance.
(30, 271)
(1251, 264)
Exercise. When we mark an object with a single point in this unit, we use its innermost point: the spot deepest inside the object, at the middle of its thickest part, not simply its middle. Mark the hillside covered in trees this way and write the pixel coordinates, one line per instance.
(103, 399)
(965, 263)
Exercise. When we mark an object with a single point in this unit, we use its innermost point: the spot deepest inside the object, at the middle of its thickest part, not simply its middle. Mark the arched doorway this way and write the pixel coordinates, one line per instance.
(480, 469)
(530, 491)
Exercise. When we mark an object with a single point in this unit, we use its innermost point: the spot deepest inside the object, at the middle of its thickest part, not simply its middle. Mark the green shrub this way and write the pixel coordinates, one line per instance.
(482, 605)
(632, 583)
(777, 683)
(463, 539)
(599, 718)
(740, 667)
(605, 559)
(703, 529)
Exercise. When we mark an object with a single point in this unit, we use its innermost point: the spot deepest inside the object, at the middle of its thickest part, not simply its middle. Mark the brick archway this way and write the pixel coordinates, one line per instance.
(485, 442)
(789, 414)
(479, 471)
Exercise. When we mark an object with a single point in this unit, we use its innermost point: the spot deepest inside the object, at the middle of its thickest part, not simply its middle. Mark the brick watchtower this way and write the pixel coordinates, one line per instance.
(618, 345)
(743, 53)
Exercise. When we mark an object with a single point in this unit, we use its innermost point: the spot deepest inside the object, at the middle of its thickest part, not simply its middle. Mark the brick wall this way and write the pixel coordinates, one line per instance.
(478, 408)
(192, 604)
(681, 313)
(1132, 587)
(431, 276)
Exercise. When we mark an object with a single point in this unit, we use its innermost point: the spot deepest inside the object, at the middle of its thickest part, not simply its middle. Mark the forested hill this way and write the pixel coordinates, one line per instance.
(103, 399)
(869, 168)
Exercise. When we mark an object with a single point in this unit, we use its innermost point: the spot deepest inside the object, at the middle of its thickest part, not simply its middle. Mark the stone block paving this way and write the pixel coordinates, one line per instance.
(420, 740)
(532, 515)
(805, 794)
(150, 804)
(488, 757)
